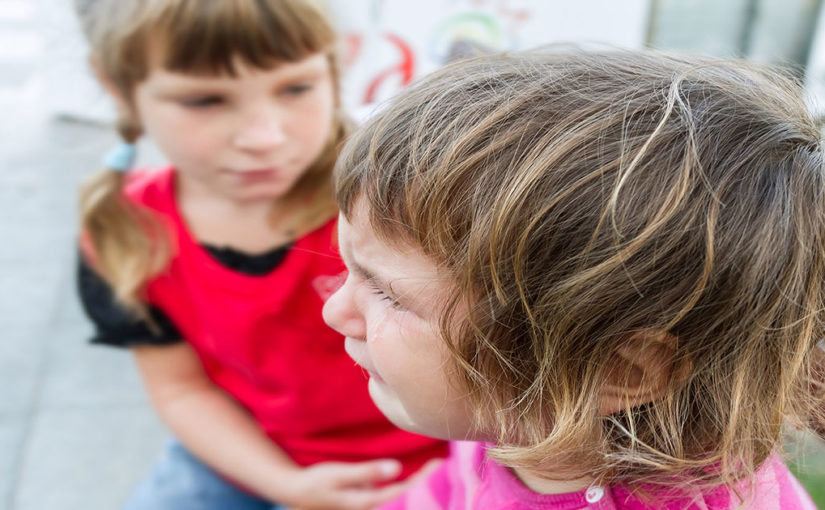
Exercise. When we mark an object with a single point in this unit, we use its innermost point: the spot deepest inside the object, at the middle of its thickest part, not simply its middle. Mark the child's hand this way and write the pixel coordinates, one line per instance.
(346, 486)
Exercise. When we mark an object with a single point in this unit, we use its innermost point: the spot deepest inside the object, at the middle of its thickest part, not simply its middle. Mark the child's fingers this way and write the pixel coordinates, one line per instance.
(367, 473)
(347, 486)
(425, 471)
(360, 499)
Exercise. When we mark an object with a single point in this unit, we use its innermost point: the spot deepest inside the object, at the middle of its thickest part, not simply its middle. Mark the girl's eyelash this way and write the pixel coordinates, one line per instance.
(202, 102)
(298, 89)
(209, 101)
(384, 297)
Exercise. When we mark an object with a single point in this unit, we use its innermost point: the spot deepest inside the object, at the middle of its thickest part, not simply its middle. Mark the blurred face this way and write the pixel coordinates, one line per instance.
(245, 138)
(389, 309)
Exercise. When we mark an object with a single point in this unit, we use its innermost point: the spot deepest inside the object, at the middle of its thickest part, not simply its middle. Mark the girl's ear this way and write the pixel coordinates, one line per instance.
(124, 107)
(641, 370)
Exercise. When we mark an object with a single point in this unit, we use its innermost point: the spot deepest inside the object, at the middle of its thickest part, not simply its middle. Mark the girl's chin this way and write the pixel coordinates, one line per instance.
(426, 424)
(386, 402)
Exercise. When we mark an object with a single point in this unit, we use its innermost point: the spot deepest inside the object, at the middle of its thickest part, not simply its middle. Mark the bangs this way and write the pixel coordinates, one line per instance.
(212, 36)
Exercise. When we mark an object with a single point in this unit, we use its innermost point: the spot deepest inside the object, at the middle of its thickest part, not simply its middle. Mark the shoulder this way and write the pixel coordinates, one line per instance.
(323, 238)
(150, 189)
(321, 241)
(115, 324)
(153, 187)
(773, 486)
(326, 230)
(452, 483)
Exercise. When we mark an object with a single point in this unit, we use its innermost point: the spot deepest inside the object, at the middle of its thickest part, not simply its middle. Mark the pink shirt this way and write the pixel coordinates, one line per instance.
(469, 480)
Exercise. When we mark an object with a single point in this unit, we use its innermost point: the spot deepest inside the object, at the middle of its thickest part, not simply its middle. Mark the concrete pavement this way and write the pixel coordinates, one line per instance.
(76, 431)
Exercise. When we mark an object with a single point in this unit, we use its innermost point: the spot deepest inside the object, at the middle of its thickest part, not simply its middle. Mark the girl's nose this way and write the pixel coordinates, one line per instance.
(341, 314)
(261, 131)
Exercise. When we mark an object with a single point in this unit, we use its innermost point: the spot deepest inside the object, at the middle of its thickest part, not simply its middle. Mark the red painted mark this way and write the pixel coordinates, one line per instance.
(405, 68)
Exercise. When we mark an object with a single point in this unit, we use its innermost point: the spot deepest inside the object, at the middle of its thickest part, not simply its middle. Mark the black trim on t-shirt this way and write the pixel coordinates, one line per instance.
(118, 326)
(241, 262)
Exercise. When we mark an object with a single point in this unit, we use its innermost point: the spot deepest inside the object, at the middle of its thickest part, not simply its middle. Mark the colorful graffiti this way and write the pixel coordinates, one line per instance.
(403, 70)
(391, 61)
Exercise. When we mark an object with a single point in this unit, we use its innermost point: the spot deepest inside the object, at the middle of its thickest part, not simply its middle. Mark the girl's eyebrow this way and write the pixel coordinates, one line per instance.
(189, 84)
(306, 73)
(369, 276)
(366, 274)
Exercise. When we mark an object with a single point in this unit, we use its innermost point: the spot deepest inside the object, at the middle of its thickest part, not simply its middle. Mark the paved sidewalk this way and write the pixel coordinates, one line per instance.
(75, 428)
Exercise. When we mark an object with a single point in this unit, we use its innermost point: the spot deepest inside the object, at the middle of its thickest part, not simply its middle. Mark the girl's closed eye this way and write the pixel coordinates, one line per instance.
(202, 102)
(297, 89)
(394, 303)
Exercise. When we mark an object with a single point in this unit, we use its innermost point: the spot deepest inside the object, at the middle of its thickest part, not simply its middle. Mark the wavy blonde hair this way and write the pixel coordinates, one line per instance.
(196, 36)
(579, 198)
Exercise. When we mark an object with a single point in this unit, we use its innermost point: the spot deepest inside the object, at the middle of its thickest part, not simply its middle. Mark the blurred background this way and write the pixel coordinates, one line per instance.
(75, 428)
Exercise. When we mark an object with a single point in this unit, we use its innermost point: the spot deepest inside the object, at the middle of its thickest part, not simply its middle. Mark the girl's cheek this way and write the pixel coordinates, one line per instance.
(388, 331)
(379, 329)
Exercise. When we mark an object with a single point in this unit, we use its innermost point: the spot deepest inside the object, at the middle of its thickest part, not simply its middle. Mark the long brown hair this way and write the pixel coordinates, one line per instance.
(578, 199)
(201, 37)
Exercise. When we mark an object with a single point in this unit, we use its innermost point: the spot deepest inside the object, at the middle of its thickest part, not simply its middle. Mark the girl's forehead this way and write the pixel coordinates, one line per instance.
(388, 258)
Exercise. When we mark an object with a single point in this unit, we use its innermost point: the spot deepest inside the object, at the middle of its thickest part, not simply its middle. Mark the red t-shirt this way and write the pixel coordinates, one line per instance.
(263, 340)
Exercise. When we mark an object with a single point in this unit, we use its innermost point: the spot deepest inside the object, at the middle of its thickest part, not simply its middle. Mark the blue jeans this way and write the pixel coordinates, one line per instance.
(179, 481)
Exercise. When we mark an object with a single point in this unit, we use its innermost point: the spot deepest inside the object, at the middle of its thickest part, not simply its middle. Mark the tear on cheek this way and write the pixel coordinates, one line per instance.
(378, 332)
(389, 328)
